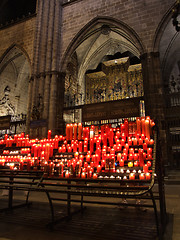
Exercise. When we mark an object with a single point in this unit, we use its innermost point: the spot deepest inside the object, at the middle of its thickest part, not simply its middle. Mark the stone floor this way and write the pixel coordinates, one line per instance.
(97, 222)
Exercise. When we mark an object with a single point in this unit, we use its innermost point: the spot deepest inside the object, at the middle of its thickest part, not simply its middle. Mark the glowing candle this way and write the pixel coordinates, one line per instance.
(147, 128)
(149, 151)
(143, 125)
(75, 131)
(149, 156)
(118, 134)
(129, 141)
(151, 142)
(126, 126)
(145, 168)
(103, 162)
(104, 139)
(85, 165)
(99, 168)
(67, 174)
(85, 148)
(71, 132)
(88, 157)
(148, 176)
(144, 146)
(138, 125)
(131, 156)
(136, 156)
(141, 176)
(125, 150)
(149, 163)
(131, 176)
(69, 149)
(135, 141)
(111, 136)
(95, 176)
(121, 163)
(131, 150)
(136, 164)
(140, 141)
(119, 156)
(91, 133)
(92, 164)
(122, 128)
(59, 149)
(83, 175)
(75, 147)
(141, 160)
(124, 156)
(49, 134)
(143, 136)
(146, 140)
(80, 145)
(130, 164)
(122, 142)
(79, 131)
(90, 174)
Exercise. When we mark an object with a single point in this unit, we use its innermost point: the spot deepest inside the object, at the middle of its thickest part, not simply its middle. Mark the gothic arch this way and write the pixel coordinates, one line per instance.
(166, 42)
(12, 48)
(15, 72)
(84, 33)
(161, 28)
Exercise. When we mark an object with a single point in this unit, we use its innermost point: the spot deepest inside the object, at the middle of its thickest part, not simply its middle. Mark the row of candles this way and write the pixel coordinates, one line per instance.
(142, 126)
(74, 167)
(22, 140)
(105, 150)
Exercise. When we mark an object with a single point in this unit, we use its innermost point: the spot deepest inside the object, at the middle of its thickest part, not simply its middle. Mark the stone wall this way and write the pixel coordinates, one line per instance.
(20, 34)
(143, 16)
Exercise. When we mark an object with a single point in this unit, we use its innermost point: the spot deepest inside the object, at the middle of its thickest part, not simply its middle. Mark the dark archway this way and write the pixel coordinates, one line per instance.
(15, 73)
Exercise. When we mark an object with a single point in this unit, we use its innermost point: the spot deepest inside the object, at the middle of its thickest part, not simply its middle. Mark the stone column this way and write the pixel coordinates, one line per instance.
(46, 58)
(35, 65)
(29, 107)
(53, 103)
(60, 124)
(153, 95)
(46, 103)
(56, 101)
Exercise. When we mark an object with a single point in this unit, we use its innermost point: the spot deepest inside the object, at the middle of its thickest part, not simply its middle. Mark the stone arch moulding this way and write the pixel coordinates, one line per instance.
(15, 72)
(160, 29)
(79, 38)
(9, 51)
(99, 53)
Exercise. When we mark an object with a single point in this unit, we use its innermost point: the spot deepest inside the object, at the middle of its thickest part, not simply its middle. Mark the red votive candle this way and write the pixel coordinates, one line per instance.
(121, 163)
(148, 176)
(131, 176)
(145, 168)
(141, 176)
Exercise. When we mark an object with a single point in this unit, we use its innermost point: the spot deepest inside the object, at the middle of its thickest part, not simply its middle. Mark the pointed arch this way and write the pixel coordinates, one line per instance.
(15, 72)
(9, 51)
(161, 27)
(83, 34)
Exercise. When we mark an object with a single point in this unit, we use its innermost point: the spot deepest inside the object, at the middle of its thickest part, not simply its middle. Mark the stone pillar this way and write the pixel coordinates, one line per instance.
(29, 107)
(45, 66)
(60, 124)
(41, 96)
(45, 114)
(153, 95)
(57, 80)
(53, 103)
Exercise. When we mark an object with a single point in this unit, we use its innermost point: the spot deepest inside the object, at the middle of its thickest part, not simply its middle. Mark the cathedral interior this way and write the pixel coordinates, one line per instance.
(56, 63)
